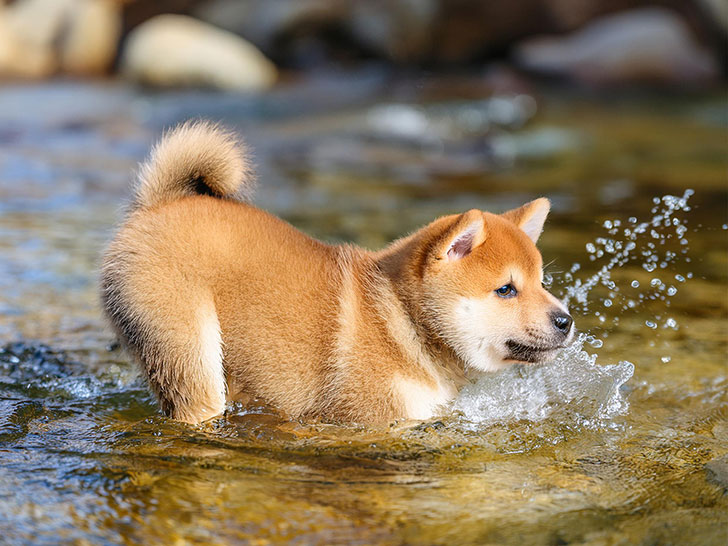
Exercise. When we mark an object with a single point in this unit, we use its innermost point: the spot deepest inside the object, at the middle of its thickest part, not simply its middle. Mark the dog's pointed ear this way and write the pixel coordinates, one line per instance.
(464, 236)
(530, 217)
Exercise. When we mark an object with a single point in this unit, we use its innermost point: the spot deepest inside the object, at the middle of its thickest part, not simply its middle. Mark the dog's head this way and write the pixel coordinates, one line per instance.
(483, 293)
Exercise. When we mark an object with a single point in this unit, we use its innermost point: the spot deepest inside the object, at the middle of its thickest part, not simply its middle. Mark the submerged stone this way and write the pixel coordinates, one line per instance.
(717, 471)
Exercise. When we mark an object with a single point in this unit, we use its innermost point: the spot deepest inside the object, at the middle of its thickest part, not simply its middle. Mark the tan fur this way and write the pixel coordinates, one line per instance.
(194, 150)
(219, 300)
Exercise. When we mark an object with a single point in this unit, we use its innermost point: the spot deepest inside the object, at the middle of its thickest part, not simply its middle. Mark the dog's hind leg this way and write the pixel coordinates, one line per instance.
(176, 338)
(190, 380)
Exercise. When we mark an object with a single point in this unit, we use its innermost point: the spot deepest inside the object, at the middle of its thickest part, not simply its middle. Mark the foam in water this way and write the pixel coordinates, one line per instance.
(574, 383)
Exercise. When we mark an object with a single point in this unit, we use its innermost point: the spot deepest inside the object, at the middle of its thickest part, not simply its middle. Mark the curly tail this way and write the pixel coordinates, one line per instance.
(194, 158)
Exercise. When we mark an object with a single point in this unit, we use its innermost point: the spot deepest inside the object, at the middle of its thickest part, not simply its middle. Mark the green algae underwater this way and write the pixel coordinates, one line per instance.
(622, 440)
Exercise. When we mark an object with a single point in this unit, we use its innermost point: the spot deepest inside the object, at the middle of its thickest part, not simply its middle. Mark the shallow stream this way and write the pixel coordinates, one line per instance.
(622, 440)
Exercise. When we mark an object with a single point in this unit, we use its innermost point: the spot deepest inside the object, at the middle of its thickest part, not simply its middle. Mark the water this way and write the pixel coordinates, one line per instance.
(622, 440)
(573, 388)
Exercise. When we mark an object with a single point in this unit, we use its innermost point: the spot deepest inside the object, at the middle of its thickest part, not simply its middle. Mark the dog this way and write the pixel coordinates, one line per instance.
(218, 300)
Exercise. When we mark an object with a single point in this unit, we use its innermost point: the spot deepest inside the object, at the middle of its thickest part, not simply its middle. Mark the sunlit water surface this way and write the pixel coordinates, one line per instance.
(622, 440)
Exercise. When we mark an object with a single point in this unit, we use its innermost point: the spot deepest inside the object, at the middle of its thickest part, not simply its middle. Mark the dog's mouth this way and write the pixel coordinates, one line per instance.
(528, 353)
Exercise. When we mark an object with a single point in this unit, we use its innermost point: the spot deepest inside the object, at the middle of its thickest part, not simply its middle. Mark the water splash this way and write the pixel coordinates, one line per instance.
(655, 244)
(574, 386)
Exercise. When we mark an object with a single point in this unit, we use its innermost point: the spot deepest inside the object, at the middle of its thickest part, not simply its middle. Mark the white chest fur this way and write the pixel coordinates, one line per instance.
(422, 401)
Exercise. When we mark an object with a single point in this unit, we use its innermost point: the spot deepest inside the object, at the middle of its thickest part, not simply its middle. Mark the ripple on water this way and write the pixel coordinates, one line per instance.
(38, 383)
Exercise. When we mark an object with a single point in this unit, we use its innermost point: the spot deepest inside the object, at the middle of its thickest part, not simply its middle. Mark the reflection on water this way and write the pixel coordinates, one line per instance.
(577, 451)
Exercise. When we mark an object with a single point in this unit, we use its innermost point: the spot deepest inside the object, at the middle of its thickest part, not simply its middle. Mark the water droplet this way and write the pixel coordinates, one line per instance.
(607, 303)
(655, 282)
(632, 220)
(666, 359)
(671, 291)
(590, 248)
(635, 283)
(671, 323)
(650, 324)
(680, 278)
(725, 226)
(607, 224)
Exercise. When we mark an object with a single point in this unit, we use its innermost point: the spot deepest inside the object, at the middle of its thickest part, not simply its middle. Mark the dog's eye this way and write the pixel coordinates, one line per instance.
(507, 291)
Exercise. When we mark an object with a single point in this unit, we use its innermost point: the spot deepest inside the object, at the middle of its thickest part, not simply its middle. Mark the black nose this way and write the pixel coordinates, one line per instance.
(562, 321)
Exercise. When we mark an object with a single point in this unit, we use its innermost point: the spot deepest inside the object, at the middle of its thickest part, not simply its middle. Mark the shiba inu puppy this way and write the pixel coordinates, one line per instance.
(219, 300)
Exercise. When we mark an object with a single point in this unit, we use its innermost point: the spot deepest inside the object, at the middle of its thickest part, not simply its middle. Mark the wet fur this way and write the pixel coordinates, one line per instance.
(218, 300)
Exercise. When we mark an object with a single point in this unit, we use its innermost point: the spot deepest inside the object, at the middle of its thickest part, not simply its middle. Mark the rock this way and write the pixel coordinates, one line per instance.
(264, 22)
(27, 32)
(92, 37)
(645, 45)
(398, 30)
(303, 32)
(41, 37)
(171, 50)
(718, 9)
(717, 470)
(293, 32)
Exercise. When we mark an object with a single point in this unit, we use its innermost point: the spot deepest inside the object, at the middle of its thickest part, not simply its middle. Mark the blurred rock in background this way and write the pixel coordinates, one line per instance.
(644, 45)
(597, 42)
(171, 50)
(40, 38)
